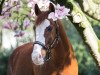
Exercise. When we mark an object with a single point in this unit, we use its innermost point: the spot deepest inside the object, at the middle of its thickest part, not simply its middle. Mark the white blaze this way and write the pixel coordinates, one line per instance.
(37, 57)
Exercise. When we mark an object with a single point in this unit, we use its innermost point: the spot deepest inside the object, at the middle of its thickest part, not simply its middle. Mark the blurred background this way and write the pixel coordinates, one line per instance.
(8, 40)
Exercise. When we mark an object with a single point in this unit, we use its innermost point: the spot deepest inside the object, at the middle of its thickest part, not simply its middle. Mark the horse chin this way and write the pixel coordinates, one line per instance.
(37, 58)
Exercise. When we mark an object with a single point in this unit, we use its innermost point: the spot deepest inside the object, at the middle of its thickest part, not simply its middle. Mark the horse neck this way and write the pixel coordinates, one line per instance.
(64, 39)
(63, 50)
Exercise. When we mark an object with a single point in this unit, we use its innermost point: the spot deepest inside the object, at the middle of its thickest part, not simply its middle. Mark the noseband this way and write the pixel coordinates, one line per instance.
(51, 46)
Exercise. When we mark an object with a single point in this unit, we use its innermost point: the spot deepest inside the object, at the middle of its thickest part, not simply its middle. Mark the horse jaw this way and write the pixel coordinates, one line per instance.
(37, 56)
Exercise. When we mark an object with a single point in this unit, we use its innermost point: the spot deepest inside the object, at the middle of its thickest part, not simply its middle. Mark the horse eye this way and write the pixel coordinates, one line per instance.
(49, 28)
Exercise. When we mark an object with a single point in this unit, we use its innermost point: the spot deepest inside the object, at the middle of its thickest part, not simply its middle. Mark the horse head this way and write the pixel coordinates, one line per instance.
(46, 35)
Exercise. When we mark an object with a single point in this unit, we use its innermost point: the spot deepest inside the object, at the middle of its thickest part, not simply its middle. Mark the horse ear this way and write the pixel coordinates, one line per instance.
(37, 10)
(51, 7)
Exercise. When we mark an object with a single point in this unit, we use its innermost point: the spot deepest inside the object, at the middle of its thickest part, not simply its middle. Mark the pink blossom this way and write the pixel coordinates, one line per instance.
(7, 25)
(11, 25)
(18, 7)
(15, 26)
(7, 14)
(32, 11)
(19, 33)
(30, 15)
(26, 23)
(53, 16)
(7, 5)
(31, 3)
(60, 13)
(1, 17)
(5, 9)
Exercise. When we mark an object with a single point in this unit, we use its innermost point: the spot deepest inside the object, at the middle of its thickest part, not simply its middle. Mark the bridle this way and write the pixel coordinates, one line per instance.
(52, 45)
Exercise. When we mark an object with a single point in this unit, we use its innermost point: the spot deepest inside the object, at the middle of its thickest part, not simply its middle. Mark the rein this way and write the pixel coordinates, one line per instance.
(52, 45)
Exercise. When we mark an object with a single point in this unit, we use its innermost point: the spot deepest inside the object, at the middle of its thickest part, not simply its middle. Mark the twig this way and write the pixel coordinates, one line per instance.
(1, 6)
(9, 9)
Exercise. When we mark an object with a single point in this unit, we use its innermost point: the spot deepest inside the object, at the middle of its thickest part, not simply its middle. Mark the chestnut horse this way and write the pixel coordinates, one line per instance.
(50, 54)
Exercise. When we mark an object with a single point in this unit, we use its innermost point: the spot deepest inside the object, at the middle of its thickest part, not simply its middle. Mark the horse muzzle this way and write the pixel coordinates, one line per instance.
(37, 57)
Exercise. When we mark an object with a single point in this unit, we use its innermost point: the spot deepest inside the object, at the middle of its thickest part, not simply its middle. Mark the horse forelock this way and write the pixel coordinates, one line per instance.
(40, 18)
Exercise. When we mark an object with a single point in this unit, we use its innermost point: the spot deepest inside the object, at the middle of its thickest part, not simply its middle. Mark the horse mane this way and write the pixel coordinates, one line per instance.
(65, 40)
(41, 17)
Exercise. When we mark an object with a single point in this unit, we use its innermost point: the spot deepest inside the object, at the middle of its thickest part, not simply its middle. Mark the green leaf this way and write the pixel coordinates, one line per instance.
(23, 11)
(14, 15)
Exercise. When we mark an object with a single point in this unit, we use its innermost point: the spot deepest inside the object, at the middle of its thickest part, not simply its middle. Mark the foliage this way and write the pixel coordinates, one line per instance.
(4, 56)
(16, 16)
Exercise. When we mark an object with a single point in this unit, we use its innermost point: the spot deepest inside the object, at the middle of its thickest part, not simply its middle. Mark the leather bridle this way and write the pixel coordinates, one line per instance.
(51, 46)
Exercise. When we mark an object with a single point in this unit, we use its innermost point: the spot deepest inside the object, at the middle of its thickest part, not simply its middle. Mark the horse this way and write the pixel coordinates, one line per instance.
(50, 54)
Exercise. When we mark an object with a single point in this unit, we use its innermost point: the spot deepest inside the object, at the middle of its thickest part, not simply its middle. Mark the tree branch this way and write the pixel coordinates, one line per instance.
(91, 8)
(1, 6)
(86, 31)
(9, 9)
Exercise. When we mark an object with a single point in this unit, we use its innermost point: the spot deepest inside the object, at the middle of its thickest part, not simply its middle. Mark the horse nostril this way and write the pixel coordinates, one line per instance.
(40, 56)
